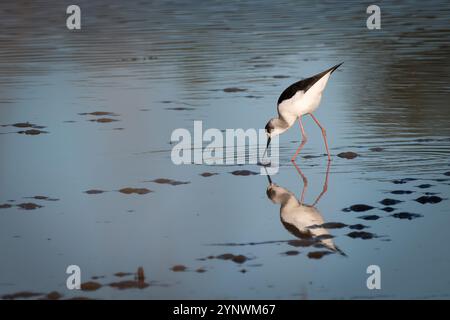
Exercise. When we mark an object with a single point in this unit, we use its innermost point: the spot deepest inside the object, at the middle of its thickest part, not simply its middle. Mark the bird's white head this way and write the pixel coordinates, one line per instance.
(275, 127)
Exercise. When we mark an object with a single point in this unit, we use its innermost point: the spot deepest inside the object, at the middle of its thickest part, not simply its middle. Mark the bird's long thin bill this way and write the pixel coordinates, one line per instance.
(270, 180)
(267, 146)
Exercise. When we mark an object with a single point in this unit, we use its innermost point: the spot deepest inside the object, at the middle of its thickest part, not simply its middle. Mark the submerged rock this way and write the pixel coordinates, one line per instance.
(318, 254)
(208, 174)
(21, 295)
(234, 89)
(347, 155)
(406, 215)
(32, 132)
(358, 208)
(370, 217)
(90, 286)
(361, 235)
(94, 191)
(243, 173)
(390, 202)
(424, 186)
(29, 206)
(169, 181)
(402, 192)
(357, 226)
(403, 181)
(178, 268)
(139, 191)
(429, 199)
(291, 253)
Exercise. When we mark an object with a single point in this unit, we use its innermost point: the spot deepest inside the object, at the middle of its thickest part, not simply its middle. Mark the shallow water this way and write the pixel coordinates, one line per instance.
(160, 66)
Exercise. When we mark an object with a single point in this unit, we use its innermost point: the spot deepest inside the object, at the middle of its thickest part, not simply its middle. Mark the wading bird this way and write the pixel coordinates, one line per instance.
(300, 98)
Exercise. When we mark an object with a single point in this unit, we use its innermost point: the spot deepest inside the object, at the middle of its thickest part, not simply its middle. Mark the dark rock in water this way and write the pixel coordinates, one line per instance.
(23, 125)
(329, 225)
(308, 156)
(5, 206)
(94, 191)
(358, 208)
(29, 206)
(361, 235)
(140, 275)
(54, 295)
(403, 181)
(178, 268)
(280, 76)
(424, 186)
(225, 256)
(370, 217)
(180, 109)
(347, 155)
(390, 202)
(208, 174)
(406, 215)
(429, 199)
(32, 132)
(98, 113)
(402, 192)
(135, 190)
(21, 295)
(291, 253)
(169, 181)
(234, 89)
(318, 254)
(358, 226)
(239, 259)
(122, 274)
(388, 209)
(200, 270)
(243, 173)
(376, 149)
(44, 198)
(103, 120)
(447, 173)
(129, 284)
(235, 258)
(90, 286)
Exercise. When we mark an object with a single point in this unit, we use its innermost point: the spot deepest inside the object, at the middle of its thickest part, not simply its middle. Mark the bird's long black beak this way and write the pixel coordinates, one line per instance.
(268, 177)
(270, 180)
(267, 146)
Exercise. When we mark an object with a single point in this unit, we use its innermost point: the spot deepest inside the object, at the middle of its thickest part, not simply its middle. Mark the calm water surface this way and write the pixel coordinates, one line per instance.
(161, 65)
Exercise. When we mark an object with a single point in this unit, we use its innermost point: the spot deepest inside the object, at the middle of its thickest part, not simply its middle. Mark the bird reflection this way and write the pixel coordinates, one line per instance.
(302, 220)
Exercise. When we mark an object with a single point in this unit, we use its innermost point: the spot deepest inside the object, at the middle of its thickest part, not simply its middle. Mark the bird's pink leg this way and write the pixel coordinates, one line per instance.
(325, 184)
(324, 134)
(305, 182)
(304, 139)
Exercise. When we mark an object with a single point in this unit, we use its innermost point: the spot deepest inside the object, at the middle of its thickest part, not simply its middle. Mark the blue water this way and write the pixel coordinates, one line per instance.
(162, 65)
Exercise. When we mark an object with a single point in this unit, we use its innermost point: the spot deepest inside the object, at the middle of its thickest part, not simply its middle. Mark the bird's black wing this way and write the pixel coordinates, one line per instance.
(303, 85)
